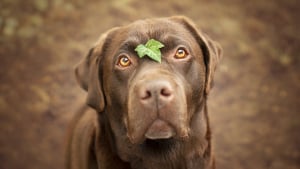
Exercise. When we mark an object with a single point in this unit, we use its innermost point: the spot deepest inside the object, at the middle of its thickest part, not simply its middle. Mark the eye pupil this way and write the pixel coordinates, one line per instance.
(124, 61)
(181, 53)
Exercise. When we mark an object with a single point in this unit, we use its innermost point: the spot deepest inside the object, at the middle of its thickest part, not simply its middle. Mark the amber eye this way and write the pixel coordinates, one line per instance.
(181, 53)
(124, 61)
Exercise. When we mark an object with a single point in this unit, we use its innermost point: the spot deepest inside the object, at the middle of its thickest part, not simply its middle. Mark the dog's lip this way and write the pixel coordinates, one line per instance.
(160, 129)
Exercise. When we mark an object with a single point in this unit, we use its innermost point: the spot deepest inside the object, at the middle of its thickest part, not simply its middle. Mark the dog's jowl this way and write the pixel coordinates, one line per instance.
(147, 85)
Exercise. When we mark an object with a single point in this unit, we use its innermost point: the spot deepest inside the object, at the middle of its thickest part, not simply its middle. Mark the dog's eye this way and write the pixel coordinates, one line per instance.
(181, 53)
(124, 61)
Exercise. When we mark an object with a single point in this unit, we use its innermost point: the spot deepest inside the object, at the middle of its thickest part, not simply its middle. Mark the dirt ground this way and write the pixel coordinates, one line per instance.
(254, 107)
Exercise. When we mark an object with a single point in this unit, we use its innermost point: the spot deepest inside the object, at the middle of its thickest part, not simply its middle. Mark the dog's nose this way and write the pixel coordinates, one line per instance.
(157, 90)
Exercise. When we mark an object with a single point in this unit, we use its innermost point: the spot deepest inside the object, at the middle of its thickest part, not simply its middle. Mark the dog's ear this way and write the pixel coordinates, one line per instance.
(88, 73)
(211, 50)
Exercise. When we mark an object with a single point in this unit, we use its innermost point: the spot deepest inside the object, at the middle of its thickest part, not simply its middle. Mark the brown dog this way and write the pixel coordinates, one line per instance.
(149, 115)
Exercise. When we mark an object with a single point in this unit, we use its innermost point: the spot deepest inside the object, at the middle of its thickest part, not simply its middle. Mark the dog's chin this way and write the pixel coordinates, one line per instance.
(159, 146)
(159, 137)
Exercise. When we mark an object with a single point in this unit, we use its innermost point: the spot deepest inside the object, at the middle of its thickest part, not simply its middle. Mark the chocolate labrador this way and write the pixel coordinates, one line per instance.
(145, 114)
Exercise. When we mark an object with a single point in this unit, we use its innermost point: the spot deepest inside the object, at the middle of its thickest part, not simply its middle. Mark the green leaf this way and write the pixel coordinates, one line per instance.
(141, 50)
(153, 44)
(151, 49)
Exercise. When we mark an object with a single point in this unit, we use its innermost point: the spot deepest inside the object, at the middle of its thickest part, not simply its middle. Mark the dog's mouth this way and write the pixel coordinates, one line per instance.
(160, 137)
(160, 130)
(159, 146)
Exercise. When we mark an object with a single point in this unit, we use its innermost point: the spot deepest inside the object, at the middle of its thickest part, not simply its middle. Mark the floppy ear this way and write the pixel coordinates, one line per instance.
(88, 74)
(211, 50)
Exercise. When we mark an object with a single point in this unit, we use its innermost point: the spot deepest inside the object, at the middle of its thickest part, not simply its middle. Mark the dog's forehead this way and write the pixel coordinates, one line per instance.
(152, 27)
(166, 31)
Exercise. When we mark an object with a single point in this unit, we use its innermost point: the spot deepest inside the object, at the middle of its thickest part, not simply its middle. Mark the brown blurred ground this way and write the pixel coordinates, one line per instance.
(254, 107)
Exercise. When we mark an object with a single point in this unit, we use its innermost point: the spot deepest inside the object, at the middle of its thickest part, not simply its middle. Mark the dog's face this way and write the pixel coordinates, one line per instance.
(148, 103)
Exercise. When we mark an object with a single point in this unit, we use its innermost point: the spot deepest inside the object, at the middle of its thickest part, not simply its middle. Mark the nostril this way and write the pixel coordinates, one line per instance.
(165, 92)
(146, 95)
(151, 91)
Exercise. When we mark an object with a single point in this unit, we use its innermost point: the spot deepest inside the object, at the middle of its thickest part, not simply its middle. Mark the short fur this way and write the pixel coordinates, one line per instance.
(128, 128)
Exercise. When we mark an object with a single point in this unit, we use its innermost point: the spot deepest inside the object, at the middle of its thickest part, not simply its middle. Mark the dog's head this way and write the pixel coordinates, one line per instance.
(145, 100)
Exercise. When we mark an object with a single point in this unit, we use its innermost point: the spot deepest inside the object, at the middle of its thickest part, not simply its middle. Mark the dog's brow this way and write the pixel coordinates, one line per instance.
(173, 41)
(130, 44)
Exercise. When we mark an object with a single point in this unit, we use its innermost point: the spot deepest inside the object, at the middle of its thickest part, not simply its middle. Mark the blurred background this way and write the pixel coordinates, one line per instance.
(254, 106)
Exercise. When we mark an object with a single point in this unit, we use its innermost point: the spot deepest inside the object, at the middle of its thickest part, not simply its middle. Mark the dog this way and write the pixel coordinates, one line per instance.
(143, 114)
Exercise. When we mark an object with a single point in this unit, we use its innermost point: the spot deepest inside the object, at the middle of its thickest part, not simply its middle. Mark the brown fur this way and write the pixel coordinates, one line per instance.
(128, 128)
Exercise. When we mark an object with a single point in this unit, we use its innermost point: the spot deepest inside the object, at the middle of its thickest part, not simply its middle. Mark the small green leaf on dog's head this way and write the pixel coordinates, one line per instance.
(154, 44)
(150, 49)
(141, 50)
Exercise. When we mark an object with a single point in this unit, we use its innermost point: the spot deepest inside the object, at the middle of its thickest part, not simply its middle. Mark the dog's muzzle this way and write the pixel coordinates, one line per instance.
(156, 109)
